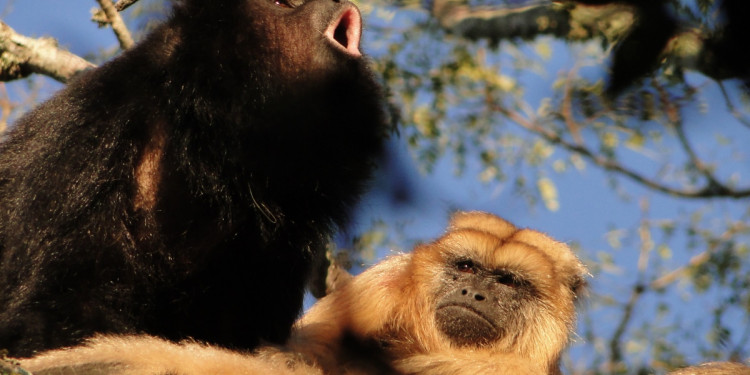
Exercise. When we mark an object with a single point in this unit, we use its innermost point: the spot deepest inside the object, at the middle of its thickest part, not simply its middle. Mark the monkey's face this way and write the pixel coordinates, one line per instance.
(266, 68)
(479, 301)
(500, 287)
(296, 59)
(305, 37)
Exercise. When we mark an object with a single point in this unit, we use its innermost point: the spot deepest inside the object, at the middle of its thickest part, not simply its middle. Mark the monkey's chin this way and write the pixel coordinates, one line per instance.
(465, 326)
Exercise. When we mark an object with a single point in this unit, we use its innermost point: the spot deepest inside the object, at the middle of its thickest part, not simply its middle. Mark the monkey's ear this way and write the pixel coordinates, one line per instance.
(481, 221)
(578, 284)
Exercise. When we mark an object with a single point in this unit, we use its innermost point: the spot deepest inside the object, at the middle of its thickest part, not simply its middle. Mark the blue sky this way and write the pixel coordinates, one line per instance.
(589, 208)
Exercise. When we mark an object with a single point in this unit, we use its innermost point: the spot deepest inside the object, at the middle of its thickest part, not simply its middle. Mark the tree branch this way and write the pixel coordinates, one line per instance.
(697, 259)
(631, 24)
(732, 109)
(21, 56)
(647, 244)
(711, 189)
(615, 351)
(98, 15)
(574, 22)
(6, 107)
(118, 26)
(124, 4)
(329, 273)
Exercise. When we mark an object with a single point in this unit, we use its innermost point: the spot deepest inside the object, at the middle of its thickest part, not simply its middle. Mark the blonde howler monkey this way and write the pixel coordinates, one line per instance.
(485, 298)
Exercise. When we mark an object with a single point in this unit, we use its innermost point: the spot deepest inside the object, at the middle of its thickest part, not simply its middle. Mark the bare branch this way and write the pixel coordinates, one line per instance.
(697, 162)
(615, 351)
(6, 107)
(118, 26)
(711, 189)
(672, 276)
(21, 56)
(124, 4)
(329, 273)
(633, 23)
(98, 15)
(567, 108)
(647, 244)
(496, 23)
(10, 366)
(698, 259)
(570, 21)
(732, 109)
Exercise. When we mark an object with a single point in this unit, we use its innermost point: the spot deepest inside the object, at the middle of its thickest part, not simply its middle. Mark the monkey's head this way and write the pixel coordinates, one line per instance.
(488, 284)
(292, 58)
(278, 80)
(484, 287)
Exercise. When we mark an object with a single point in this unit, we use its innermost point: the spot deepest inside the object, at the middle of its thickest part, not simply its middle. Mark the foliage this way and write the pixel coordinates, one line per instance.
(516, 93)
(532, 108)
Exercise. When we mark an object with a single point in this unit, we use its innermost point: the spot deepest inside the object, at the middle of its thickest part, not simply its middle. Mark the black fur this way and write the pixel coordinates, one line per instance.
(265, 134)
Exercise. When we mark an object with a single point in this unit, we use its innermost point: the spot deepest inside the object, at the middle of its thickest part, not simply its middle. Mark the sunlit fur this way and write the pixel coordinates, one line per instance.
(393, 304)
(146, 355)
(714, 368)
(383, 321)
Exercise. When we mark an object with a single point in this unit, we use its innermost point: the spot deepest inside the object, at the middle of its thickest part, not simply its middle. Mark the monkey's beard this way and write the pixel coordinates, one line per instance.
(465, 326)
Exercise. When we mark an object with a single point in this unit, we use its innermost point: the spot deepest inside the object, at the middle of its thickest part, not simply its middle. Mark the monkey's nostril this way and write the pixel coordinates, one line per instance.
(479, 297)
(345, 31)
(340, 33)
(464, 292)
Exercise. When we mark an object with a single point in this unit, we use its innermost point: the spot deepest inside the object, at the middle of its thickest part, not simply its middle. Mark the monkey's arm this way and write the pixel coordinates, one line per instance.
(467, 362)
(146, 355)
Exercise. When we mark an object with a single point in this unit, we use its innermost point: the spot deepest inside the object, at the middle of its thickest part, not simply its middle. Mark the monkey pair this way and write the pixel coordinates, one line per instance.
(183, 190)
(164, 192)
(485, 298)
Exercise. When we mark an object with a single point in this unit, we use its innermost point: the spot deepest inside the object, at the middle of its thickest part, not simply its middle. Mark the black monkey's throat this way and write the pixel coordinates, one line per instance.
(345, 31)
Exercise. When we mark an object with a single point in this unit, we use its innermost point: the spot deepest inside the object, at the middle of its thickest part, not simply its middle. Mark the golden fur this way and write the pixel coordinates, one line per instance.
(714, 368)
(393, 303)
(146, 355)
(383, 321)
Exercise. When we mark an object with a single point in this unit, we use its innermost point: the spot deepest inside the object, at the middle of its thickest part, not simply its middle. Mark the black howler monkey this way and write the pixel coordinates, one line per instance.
(183, 188)
(485, 298)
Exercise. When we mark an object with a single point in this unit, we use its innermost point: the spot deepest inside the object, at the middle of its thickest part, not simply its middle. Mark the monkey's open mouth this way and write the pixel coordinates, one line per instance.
(345, 31)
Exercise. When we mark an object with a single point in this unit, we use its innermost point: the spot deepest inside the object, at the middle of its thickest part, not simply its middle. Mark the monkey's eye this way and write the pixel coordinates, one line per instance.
(507, 278)
(283, 3)
(465, 266)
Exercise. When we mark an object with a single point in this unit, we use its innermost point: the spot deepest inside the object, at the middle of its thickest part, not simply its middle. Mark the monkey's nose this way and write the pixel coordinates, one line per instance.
(474, 295)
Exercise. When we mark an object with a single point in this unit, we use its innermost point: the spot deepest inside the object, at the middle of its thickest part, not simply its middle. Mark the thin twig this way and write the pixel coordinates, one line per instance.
(567, 108)
(614, 344)
(730, 106)
(6, 107)
(713, 184)
(696, 260)
(118, 26)
(638, 288)
(124, 4)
